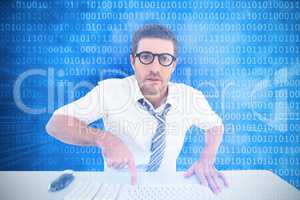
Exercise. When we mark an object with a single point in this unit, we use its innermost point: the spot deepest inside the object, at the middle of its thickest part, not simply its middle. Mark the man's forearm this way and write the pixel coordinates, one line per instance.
(72, 131)
(213, 139)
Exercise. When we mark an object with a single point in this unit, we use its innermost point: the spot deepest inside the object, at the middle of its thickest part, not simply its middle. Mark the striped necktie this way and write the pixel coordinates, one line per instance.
(158, 142)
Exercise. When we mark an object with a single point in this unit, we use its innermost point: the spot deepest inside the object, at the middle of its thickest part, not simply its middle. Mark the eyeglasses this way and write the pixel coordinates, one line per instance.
(146, 58)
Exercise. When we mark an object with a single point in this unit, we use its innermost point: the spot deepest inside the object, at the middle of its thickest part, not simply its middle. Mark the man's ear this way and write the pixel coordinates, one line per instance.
(174, 66)
(132, 61)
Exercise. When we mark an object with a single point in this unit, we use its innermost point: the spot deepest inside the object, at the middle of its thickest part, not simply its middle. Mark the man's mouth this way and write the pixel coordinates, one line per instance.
(154, 80)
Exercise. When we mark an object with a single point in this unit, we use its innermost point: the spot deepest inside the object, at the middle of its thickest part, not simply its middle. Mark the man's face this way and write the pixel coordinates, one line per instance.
(153, 78)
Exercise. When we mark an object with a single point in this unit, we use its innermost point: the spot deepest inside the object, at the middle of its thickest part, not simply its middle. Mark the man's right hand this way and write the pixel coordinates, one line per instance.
(117, 154)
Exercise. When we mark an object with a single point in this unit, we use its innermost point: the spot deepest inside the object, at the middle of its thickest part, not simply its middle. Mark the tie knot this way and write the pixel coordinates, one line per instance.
(145, 105)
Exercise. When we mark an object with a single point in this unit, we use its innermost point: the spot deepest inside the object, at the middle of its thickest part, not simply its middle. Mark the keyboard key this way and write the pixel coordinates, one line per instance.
(108, 192)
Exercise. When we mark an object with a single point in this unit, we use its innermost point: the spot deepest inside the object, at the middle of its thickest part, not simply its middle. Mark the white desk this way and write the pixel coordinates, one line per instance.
(250, 184)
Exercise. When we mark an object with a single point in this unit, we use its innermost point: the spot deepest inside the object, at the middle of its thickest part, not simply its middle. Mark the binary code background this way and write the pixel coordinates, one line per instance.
(243, 55)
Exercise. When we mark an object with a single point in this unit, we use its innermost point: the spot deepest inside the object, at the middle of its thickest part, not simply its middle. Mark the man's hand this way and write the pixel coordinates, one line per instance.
(118, 155)
(207, 175)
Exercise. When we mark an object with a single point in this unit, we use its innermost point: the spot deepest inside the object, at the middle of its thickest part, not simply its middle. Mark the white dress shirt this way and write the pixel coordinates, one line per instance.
(115, 101)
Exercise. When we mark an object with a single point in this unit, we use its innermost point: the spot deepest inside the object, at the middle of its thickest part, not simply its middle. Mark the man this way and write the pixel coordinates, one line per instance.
(145, 116)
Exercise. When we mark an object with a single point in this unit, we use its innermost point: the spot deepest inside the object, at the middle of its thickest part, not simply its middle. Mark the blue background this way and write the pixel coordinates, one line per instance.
(243, 55)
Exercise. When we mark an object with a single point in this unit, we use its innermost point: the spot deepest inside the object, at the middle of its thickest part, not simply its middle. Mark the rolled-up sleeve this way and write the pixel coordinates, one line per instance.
(88, 108)
(203, 115)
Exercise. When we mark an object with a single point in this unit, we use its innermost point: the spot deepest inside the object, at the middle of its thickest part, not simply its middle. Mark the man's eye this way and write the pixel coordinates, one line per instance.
(146, 56)
(165, 58)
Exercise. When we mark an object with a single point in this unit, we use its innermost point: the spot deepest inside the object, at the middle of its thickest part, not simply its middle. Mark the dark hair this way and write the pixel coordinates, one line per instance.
(153, 31)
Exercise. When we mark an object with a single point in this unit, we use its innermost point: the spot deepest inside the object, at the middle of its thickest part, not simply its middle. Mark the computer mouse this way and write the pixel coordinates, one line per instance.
(61, 182)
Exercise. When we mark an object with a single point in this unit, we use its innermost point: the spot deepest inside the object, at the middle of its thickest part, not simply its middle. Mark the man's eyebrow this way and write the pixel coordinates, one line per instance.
(155, 52)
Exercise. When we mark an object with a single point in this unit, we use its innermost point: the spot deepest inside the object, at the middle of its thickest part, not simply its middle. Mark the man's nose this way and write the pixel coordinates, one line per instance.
(156, 66)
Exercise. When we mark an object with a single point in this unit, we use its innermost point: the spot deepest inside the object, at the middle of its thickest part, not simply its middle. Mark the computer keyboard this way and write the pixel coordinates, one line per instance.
(93, 190)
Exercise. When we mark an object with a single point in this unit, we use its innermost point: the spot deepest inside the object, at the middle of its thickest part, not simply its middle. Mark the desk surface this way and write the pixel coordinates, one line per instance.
(243, 184)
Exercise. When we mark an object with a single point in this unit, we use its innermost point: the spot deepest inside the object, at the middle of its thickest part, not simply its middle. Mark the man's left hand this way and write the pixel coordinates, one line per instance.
(207, 175)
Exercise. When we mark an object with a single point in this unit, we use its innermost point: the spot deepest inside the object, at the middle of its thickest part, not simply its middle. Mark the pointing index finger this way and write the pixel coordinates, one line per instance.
(132, 170)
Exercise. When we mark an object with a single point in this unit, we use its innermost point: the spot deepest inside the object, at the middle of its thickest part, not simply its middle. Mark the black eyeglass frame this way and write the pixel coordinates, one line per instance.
(153, 57)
